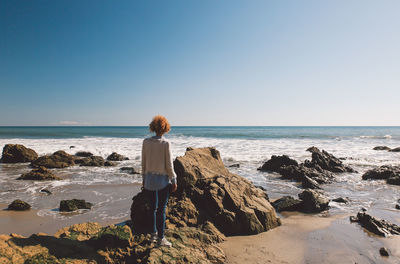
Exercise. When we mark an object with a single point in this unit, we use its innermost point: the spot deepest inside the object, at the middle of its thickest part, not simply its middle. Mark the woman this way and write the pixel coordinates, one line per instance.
(158, 173)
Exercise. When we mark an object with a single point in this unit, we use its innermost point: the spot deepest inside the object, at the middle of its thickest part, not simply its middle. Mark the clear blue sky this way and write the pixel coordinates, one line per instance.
(200, 62)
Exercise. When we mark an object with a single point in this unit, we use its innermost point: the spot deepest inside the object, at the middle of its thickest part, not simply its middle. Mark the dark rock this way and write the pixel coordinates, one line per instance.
(395, 150)
(277, 162)
(287, 203)
(384, 252)
(308, 183)
(298, 173)
(39, 174)
(74, 204)
(376, 226)
(116, 157)
(59, 159)
(381, 148)
(46, 191)
(71, 147)
(236, 165)
(327, 161)
(341, 200)
(109, 163)
(207, 191)
(393, 180)
(398, 206)
(93, 161)
(83, 154)
(314, 201)
(383, 172)
(19, 205)
(129, 170)
(15, 153)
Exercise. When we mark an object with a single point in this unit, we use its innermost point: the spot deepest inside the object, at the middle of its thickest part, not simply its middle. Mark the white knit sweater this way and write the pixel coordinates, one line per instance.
(157, 157)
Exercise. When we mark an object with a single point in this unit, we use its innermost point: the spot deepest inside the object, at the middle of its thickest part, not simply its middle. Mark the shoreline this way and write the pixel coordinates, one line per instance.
(312, 239)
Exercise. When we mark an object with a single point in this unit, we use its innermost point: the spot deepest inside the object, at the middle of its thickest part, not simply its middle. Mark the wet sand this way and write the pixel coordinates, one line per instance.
(312, 239)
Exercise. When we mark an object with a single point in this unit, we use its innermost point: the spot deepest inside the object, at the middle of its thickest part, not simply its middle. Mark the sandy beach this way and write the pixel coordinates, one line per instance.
(312, 239)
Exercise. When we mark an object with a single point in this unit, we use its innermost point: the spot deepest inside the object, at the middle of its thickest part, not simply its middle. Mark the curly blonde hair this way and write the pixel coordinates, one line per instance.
(159, 125)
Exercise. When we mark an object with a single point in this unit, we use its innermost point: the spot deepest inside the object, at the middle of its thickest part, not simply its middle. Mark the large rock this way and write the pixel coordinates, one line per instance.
(381, 148)
(277, 162)
(376, 226)
(59, 159)
(73, 205)
(299, 173)
(327, 161)
(92, 161)
(313, 201)
(116, 157)
(15, 153)
(207, 191)
(389, 173)
(39, 174)
(395, 150)
(83, 154)
(19, 205)
(287, 203)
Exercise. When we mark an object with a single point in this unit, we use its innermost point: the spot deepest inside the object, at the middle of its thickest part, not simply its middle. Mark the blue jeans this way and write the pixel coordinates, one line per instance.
(158, 203)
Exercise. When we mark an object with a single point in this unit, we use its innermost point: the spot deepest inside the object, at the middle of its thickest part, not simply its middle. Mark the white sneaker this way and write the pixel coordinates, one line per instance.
(154, 237)
(164, 242)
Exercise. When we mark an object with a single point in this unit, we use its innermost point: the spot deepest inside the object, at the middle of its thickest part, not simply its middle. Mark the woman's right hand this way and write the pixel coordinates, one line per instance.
(174, 187)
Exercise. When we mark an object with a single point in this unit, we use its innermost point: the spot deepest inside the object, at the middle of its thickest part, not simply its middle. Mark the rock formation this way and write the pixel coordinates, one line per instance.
(83, 154)
(389, 173)
(19, 205)
(73, 205)
(374, 225)
(39, 174)
(311, 201)
(381, 148)
(59, 159)
(15, 153)
(116, 157)
(207, 191)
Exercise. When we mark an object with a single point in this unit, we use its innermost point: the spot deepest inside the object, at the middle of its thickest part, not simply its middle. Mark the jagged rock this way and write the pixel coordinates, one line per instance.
(83, 154)
(389, 173)
(381, 148)
(92, 161)
(287, 203)
(39, 174)
(384, 252)
(341, 200)
(130, 170)
(376, 226)
(73, 205)
(15, 153)
(314, 201)
(395, 150)
(59, 159)
(298, 173)
(46, 191)
(277, 162)
(19, 205)
(309, 183)
(116, 157)
(207, 191)
(327, 161)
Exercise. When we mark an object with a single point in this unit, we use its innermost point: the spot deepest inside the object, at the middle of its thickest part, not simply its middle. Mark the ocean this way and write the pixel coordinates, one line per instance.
(110, 189)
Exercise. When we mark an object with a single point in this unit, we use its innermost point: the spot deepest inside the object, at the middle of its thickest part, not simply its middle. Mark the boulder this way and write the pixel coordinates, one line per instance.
(109, 163)
(207, 191)
(299, 173)
(381, 148)
(130, 170)
(327, 161)
(313, 201)
(116, 157)
(59, 159)
(308, 183)
(92, 161)
(83, 154)
(397, 206)
(19, 205)
(384, 252)
(395, 150)
(374, 225)
(287, 203)
(73, 205)
(39, 174)
(277, 162)
(46, 191)
(341, 200)
(389, 173)
(15, 153)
